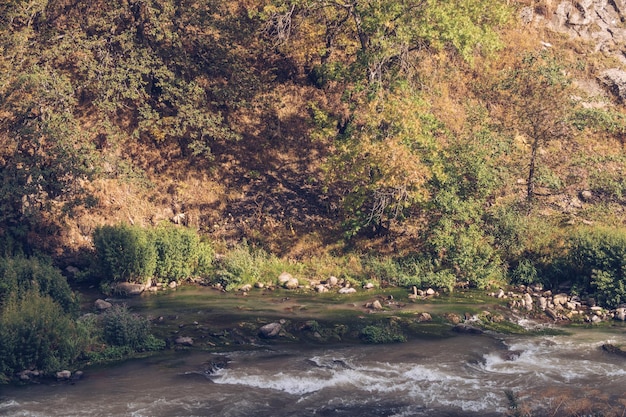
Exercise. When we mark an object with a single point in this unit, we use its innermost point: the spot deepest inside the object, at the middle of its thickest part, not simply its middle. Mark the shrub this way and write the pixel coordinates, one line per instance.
(598, 259)
(125, 253)
(525, 273)
(180, 253)
(123, 328)
(36, 333)
(20, 275)
(379, 334)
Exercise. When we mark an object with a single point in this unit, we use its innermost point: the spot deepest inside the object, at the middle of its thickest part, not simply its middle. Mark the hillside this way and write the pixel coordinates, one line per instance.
(477, 132)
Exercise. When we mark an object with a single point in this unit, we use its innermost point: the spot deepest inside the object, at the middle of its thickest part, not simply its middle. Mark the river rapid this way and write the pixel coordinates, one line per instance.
(463, 375)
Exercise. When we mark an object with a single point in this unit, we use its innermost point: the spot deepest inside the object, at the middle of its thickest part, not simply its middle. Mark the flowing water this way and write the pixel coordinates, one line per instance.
(457, 376)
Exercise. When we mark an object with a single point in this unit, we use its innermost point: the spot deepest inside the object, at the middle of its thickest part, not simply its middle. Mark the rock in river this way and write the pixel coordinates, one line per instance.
(270, 330)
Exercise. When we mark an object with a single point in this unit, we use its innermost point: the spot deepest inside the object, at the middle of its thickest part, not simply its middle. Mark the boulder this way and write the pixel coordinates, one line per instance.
(500, 293)
(552, 314)
(172, 284)
(270, 330)
(284, 278)
(528, 302)
(430, 291)
(321, 288)
(560, 299)
(128, 288)
(291, 284)
(332, 281)
(64, 375)
(620, 314)
(376, 305)
(102, 305)
(347, 290)
(184, 341)
(422, 317)
(543, 303)
(614, 80)
(368, 286)
(615, 350)
(245, 288)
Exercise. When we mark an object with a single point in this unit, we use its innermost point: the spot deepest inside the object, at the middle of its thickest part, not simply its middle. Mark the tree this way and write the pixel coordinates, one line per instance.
(535, 99)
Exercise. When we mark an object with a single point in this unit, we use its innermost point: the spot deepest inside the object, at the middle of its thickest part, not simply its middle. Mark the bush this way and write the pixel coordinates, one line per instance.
(36, 333)
(125, 253)
(180, 254)
(123, 328)
(169, 253)
(379, 334)
(525, 273)
(598, 259)
(21, 275)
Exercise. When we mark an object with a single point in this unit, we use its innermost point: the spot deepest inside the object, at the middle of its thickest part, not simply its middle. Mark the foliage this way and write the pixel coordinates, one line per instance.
(381, 333)
(125, 253)
(123, 328)
(597, 259)
(36, 333)
(525, 273)
(20, 276)
(520, 97)
(180, 253)
(169, 253)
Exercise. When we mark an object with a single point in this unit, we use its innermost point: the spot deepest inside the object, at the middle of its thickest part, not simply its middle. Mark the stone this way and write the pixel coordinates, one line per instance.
(430, 291)
(291, 284)
(321, 288)
(528, 302)
(620, 314)
(586, 196)
(552, 314)
(246, 288)
(284, 277)
(376, 305)
(543, 303)
(184, 341)
(64, 375)
(368, 286)
(128, 288)
(172, 284)
(270, 330)
(614, 80)
(332, 281)
(596, 319)
(500, 293)
(560, 299)
(259, 285)
(423, 317)
(346, 290)
(102, 305)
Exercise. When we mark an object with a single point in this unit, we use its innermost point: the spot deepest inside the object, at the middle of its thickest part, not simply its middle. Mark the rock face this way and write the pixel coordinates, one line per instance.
(270, 330)
(614, 80)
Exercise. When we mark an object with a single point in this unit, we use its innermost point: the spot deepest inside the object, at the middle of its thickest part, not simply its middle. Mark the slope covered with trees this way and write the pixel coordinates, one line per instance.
(441, 142)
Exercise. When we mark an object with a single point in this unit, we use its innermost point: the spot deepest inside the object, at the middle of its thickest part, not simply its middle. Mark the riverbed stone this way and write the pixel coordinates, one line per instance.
(424, 317)
(332, 281)
(376, 305)
(291, 284)
(528, 302)
(270, 330)
(102, 305)
(321, 288)
(284, 277)
(620, 314)
(560, 299)
(543, 303)
(347, 290)
(467, 329)
(128, 288)
(184, 341)
(64, 375)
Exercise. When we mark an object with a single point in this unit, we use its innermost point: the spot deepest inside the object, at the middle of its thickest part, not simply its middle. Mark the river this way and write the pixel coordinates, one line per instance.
(464, 375)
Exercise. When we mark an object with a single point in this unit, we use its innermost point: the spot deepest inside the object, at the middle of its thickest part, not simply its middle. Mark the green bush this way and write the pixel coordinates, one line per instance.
(36, 333)
(382, 333)
(168, 253)
(597, 259)
(180, 253)
(20, 275)
(125, 253)
(123, 328)
(525, 273)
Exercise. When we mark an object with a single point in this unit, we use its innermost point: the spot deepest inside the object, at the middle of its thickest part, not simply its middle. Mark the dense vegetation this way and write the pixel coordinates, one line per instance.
(409, 143)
